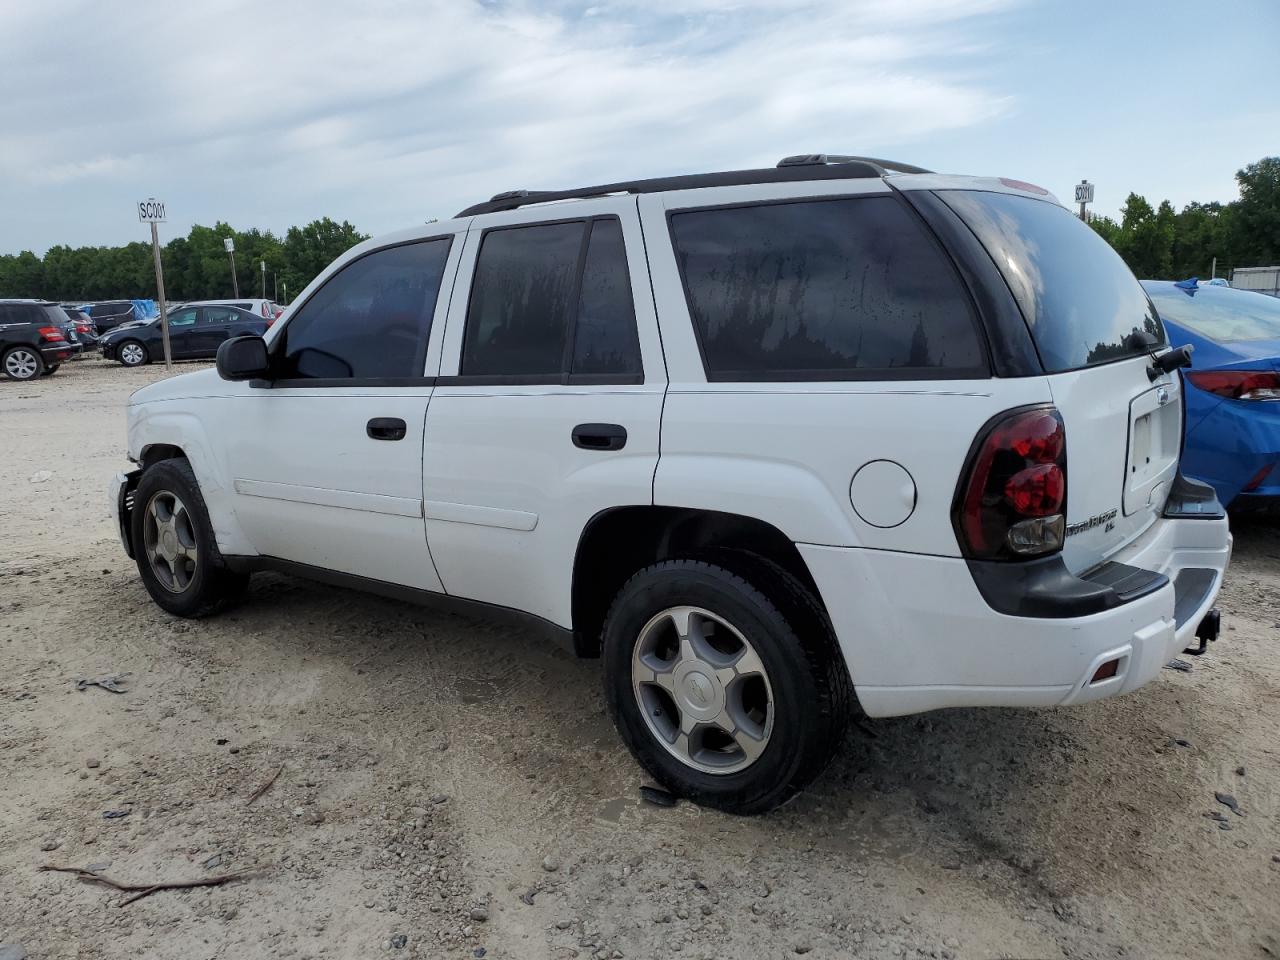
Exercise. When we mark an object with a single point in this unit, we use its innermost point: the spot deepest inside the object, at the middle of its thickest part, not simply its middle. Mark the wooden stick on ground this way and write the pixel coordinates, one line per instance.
(140, 890)
(265, 787)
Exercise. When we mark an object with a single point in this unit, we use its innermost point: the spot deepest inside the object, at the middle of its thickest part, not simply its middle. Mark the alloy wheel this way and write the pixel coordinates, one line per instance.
(703, 690)
(169, 539)
(22, 364)
(132, 354)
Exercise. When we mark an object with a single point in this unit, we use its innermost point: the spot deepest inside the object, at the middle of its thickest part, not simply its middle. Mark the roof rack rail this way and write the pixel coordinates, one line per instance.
(822, 159)
(815, 166)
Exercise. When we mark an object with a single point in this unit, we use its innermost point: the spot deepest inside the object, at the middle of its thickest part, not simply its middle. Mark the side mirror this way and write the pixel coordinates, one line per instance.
(243, 358)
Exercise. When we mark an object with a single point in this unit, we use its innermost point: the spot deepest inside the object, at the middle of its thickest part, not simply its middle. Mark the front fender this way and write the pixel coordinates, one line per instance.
(153, 425)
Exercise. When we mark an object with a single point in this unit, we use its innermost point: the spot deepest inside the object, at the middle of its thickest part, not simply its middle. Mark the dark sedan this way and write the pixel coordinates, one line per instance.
(195, 332)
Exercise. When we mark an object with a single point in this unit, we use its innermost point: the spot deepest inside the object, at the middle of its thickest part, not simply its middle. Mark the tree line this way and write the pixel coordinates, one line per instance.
(1163, 244)
(196, 267)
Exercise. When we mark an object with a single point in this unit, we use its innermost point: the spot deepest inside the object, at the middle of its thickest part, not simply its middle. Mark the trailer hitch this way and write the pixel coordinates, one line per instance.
(1206, 632)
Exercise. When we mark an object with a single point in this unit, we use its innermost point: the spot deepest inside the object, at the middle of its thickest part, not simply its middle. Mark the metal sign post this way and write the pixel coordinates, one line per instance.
(152, 211)
(1084, 195)
(264, 278)
(230, 244)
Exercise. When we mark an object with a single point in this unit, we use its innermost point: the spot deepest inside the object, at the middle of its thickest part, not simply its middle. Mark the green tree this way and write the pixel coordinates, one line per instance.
(1145, 238)
(22, 276)
(308, 250)
(1258, 212)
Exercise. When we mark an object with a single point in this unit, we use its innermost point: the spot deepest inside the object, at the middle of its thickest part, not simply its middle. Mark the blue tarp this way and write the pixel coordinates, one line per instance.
(145, 309)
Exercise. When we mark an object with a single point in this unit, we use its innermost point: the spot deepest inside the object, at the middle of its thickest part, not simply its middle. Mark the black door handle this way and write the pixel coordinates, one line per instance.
(600, 436)
(386, 428)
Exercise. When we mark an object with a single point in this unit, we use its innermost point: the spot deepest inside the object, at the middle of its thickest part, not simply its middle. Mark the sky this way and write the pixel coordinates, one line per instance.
(390, 112)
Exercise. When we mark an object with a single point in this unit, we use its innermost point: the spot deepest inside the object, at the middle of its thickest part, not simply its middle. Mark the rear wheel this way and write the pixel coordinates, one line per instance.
(174, 545)
(22, 363)
(132, 353)
(727, 686)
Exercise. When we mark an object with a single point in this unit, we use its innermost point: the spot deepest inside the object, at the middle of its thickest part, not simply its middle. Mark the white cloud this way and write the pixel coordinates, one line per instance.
(392, 110)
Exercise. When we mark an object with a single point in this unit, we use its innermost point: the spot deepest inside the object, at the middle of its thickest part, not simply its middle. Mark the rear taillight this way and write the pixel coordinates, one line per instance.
(270, 321)
(1238, 384)
(51, 335)
(1012, 502)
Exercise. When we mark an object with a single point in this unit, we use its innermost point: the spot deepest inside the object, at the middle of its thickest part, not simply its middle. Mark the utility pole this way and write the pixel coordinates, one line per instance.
(264, 278)
(275, 287)
(1213, 270)
(230, 244)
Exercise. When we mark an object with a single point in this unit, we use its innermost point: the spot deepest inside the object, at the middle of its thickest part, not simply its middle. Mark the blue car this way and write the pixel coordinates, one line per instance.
(1233, 417)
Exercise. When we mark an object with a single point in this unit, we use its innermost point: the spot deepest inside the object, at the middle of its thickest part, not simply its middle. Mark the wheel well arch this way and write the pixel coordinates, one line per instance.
(153, 453)
(617, 542)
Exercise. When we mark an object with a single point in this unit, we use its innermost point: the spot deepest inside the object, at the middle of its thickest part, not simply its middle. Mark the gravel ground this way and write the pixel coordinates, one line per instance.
(451, 788)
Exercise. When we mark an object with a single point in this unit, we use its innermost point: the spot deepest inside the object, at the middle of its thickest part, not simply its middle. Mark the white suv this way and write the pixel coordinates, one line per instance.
(763, 440)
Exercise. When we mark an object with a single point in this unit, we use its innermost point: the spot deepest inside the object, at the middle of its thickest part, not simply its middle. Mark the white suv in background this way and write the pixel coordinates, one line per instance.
(764, 440)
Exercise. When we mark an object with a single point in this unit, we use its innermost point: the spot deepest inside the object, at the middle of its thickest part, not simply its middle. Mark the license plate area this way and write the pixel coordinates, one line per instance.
(1155, 439)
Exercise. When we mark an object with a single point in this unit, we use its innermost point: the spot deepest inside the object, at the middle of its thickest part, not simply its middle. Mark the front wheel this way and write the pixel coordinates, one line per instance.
(132, 353)
(174, 545)
(727, 685)
(23, 363)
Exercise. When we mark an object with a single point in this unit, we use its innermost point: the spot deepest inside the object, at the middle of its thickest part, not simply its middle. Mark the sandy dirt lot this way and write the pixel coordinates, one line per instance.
(450, 788)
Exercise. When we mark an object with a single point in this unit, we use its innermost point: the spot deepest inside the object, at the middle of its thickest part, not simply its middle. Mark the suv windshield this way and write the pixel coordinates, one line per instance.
(1081, 302)
(1218, 313)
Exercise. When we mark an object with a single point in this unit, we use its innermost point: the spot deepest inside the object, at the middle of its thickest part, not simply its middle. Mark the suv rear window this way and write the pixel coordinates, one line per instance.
(852, 288)
(1080, 300)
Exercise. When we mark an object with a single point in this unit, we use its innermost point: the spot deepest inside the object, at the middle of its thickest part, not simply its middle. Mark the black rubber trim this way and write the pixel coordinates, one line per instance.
(1046, 589)
(330, 382)
(1013, 352)
(123, 509)
(559, 635)
(539, 380)
(1191, 587)
(1193, 500)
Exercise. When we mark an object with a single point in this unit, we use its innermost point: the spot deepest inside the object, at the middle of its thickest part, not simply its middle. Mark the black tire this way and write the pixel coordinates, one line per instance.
(212, 586)
(812, 694)
(21, 351)
(146, 354)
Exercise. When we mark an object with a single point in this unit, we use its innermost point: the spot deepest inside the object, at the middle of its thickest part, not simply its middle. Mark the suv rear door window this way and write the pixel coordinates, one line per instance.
(370, 320)
(605, 335)
(522, 299)
(852, 288)
(1082, 303)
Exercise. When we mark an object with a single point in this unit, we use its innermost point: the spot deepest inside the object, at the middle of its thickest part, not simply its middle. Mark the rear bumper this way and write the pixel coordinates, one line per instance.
(917, 634)
(56, 353)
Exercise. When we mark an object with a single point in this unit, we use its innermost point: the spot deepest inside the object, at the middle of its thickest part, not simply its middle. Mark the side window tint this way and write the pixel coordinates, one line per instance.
(217, 315)
(822, 289)
(605, 337)
(182, 318)
(371, 319)
(522, 301)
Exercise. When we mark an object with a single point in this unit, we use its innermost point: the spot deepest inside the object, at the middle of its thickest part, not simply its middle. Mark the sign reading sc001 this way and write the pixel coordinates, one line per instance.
(151, 210)
(1084, 192)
